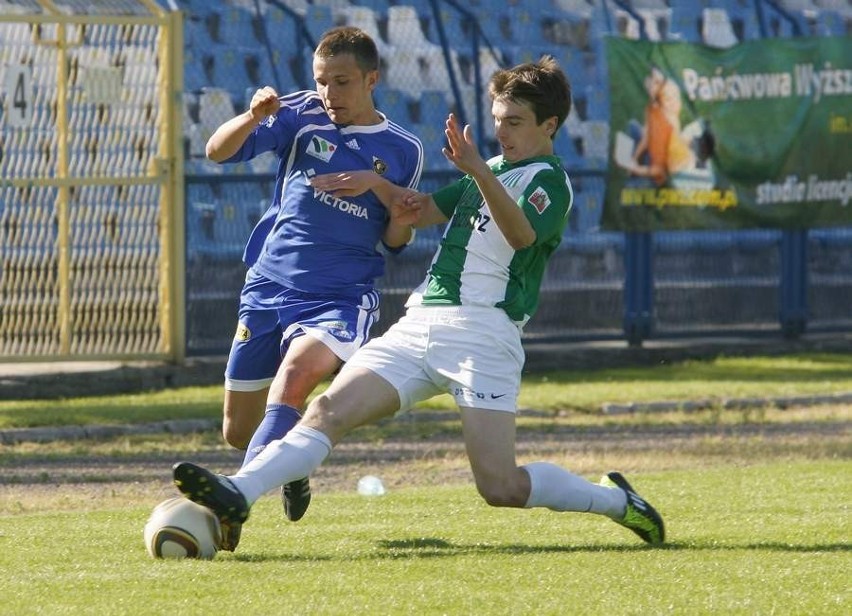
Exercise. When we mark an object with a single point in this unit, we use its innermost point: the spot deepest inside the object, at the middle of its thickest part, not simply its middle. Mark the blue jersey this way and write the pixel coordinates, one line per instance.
(309, 240)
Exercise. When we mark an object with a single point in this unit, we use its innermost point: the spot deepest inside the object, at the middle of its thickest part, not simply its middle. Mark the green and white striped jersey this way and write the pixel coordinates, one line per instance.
(474, 264)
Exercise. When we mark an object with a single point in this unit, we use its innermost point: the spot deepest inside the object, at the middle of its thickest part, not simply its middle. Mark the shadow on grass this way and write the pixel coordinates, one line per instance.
(439, 548)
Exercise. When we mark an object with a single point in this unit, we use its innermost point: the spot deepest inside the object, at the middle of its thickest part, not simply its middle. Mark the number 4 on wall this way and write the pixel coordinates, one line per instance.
(19, 95)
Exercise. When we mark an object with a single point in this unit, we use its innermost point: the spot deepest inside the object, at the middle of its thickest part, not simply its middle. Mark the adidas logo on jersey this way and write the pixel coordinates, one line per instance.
(320, 148)
(352, 144)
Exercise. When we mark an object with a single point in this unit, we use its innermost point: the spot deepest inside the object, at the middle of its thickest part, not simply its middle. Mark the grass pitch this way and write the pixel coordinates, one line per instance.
(769, 538)
(756, 503)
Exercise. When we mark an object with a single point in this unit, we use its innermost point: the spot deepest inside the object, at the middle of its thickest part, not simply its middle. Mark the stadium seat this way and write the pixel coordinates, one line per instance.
(433, 140)
(402, 72)
(418, 69)
(595, 140)
(566, 149)
(194, 75)
(394, 104)
(434, 107)
(405, 28)
(686, 22)
(597, 102)
(579, 8)
(380, 7)
(525, 26)
(214, 107)
(228, 69)
(366, 19)
(716, 29)
(196, 139)
(299, 6)
(279, 30)
(492, 25)
(830, 23)
(657, 23)
(235, 26)
(456, 28)
(318, 19)
(587, 210)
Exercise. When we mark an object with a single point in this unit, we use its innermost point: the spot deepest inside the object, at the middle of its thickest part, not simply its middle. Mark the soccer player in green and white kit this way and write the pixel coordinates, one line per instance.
(461, 333)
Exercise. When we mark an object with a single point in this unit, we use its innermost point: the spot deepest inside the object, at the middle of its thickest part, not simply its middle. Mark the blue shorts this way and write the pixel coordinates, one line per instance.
(271, 316)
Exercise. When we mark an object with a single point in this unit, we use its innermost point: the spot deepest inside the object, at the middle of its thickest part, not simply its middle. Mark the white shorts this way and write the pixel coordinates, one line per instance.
(473, 353)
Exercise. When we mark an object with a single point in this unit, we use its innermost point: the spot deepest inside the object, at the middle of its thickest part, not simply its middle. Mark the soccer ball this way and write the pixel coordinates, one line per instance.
(178, 528)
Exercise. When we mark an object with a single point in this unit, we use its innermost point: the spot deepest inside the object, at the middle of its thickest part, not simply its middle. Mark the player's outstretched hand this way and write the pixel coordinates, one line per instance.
(461, 149)
(346, 183)
(407, 207)
(264, 103)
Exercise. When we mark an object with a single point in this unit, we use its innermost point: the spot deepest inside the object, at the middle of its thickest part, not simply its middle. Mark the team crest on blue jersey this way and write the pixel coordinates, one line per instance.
(379, 166)
(320, 148)
(243, 333)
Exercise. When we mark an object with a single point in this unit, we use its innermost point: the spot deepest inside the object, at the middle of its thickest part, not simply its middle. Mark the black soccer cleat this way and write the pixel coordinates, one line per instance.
(296, 497)
(218, 494)
(639, 515)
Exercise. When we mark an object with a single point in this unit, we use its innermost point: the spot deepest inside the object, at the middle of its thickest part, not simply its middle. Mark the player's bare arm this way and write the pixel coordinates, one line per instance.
(422, 205)
(356, 182)
(463, 153)
(228, 138)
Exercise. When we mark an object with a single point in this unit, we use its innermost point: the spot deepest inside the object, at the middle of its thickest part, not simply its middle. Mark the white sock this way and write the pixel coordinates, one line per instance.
(555, 488)
(290, 458)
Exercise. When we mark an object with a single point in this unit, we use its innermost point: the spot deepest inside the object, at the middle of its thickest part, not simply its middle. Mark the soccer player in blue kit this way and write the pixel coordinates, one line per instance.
(309, 300)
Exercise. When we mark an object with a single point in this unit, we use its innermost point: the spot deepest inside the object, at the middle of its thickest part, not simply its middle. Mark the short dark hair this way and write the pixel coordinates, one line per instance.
(347, 39)
(543, 85)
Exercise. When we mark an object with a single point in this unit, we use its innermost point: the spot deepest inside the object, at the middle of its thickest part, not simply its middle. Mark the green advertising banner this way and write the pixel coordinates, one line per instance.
(757, 135)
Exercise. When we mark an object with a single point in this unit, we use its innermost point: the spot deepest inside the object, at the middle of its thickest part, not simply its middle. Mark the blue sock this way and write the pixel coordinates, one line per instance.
(278, 421)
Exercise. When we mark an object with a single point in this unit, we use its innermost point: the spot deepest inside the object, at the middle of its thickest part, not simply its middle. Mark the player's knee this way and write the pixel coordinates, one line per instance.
(234, 435)
(295, 382)
(501, 493)
(320, 413)
(324, 415)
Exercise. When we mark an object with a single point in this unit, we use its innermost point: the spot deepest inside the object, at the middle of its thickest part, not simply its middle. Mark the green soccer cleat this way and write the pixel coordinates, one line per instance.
(296, 497)
(639, 516)
(218, 494)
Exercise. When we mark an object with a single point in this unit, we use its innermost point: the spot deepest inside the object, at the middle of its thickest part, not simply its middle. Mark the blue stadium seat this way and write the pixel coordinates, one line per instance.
(493, 25)
(433, 141)
(236, 26)
(588, 208)
(262, 70)
(194, 75)
(455, 26)
(566, 149)
(433, 108)
(830, 23)
(379, 6)
(196, 33)
(394, 104)
(318, 19)
(526, 26)
(405, 27)
(280, 31)
(229, 69)
(686, 22)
